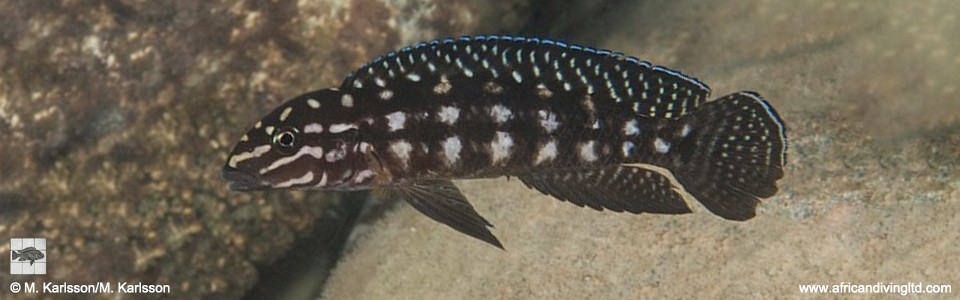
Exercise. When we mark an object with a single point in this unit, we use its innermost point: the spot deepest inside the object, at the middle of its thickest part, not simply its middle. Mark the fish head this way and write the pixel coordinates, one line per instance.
(310, 142)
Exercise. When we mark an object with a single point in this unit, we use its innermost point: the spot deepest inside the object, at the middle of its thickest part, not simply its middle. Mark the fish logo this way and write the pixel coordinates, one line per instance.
(28, 253)
(28, 256)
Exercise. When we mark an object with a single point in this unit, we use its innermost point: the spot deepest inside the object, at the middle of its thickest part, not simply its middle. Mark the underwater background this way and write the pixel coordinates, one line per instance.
(116, 116)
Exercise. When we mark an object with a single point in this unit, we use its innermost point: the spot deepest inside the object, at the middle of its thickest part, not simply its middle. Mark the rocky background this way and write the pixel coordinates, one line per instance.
(117, 115)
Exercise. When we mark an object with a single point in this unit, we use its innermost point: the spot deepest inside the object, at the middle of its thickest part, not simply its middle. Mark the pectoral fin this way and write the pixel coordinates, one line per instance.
(442, 201)
(618, 188)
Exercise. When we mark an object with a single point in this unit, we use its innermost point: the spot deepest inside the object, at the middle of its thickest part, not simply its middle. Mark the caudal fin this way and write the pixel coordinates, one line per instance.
(733, 154)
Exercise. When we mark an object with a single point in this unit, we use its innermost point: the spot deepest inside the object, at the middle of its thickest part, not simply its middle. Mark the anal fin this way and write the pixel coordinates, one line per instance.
(617, 188)
(443, 202)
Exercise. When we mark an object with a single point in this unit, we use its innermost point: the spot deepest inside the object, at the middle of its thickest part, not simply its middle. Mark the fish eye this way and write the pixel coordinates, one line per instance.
(285, 138)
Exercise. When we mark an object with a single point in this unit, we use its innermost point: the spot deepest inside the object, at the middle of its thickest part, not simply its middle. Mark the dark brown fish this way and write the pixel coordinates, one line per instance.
(28, 253)
(566, 120)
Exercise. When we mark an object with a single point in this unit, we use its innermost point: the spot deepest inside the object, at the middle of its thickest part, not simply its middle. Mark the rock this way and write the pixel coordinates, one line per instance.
(116, 118)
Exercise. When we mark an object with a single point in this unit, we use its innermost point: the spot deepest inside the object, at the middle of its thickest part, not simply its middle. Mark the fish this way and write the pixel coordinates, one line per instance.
(588, 126)
(28, 253)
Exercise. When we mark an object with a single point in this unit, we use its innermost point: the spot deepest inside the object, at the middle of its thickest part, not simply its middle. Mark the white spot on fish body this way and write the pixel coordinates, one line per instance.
(396, 121)
(363, 175)
(380, 82)
(631, 128)
(517, 77)
(543, 91)
(385, 95)
(548, 121)
(285, 113)
(493, 88)
(269, 130)
(500, 113)
(346, 100)
(661, 146)
(500, 146)
(365, 147)
(413, 77)
(547, 152)
(449, 115)
(313, 103)
(402, 150)
(628, 149)
(313, 128)
(451, 150)
(587, 152)
(336, 155)
(443, 87)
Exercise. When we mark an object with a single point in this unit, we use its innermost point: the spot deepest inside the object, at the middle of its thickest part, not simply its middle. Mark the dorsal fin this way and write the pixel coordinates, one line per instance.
(565, 70)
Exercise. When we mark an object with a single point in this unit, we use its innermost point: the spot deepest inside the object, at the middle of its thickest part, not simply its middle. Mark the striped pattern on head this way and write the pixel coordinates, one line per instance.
(309, 142)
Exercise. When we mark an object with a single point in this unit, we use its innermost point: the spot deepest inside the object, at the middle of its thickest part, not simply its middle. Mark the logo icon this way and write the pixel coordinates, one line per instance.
(28, 256)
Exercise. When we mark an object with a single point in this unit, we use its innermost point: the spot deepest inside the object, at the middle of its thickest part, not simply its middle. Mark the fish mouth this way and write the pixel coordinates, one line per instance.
(240, 181)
